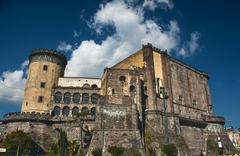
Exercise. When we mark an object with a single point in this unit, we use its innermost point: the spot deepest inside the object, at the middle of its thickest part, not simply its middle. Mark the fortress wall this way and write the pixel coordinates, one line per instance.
(192, 86)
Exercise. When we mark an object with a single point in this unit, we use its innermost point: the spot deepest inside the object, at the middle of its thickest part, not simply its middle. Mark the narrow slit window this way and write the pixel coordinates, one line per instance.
(45, 67)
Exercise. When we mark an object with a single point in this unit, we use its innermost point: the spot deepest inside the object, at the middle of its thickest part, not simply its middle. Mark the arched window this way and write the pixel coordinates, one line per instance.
(122, 78)
(67, 98)
(93, 110)
(58, 97)
(86, 85)
(85, 110)
(132, 88)
(56, 111)
(94, 86)
(76, 98)
(85, 98)
(65, 111)
(94, 98)
(75, 111)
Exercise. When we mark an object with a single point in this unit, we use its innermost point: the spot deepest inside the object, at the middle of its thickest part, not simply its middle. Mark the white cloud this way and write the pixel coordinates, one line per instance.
(12, 85)
(64, 47)
(153, 4)
(190, 47)
(131, 30)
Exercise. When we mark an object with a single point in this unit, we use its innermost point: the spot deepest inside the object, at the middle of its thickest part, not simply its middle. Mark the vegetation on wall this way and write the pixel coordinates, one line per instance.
(132, 152)
(212, 147)
(116, 151)
(170, 150)
(63, 147)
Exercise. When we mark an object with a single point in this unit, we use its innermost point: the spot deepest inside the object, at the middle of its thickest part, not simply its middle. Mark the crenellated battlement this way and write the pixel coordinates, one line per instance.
(49, 55)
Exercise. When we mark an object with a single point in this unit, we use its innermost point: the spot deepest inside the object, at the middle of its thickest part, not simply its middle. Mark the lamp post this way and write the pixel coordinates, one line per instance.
(164, 96)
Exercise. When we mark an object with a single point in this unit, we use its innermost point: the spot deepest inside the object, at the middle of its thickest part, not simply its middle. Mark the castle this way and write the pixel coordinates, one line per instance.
(145, 101)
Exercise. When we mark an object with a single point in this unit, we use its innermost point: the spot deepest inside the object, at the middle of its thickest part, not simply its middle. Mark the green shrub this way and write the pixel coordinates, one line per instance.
(170, 150)
(97, 152)
(116, 151)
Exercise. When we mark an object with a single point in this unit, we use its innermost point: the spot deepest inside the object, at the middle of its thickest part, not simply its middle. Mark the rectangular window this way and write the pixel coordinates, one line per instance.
(180, 99)
(45, 67)
(42, 85)
(40, 99)
(194, 102)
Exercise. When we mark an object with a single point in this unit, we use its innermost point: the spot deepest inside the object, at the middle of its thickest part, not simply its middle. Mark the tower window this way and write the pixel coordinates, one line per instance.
(40, 99)
(42, 84)
(45, 67)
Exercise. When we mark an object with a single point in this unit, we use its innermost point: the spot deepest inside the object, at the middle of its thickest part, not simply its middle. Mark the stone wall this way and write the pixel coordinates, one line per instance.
(195, 139)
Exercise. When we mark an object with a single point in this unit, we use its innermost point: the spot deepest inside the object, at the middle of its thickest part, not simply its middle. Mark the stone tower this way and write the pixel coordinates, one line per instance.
(45, 67)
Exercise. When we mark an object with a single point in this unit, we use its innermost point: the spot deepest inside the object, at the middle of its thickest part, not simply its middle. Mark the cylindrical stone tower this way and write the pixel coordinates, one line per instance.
(45, 67)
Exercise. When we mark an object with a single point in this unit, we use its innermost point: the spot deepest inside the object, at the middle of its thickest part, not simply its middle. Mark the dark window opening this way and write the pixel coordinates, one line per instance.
(45, 67)
(56, 111)
(65, 111)
(58, 97)
(145, 88)
(113, 91)
(122, 79)
(40, 99)
(194, 102)
(67, 98)
(85, 110)
(93, 110)
(76, 98)
(75, 111)
(42, 85)
(85, 98)
(180, 99)
(94, 98)
(132, 88)
(94, 86)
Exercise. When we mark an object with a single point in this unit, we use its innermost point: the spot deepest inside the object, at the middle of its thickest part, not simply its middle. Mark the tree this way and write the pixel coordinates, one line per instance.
(18, 142)
(72, 148)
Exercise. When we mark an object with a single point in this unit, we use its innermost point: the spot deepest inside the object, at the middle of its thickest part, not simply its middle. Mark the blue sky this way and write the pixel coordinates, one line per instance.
(202, 33)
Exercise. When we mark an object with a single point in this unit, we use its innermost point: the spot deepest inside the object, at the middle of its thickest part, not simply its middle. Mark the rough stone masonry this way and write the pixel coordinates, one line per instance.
(147, 100)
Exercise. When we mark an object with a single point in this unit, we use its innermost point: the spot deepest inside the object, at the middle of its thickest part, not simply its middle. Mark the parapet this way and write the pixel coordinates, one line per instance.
(26, 116)
(50, 55)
